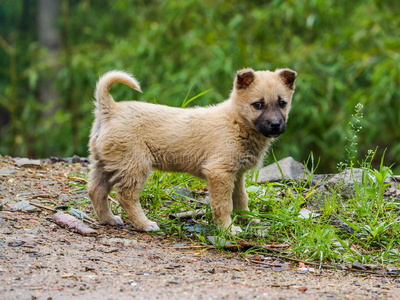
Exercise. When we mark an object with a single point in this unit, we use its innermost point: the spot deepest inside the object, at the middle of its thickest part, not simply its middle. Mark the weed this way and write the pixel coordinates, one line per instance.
(351, 138)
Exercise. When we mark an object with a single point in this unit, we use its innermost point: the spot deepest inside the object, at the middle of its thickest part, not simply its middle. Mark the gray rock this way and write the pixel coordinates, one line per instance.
(73, 160)
(218, 241)
(291, 170)
(6, 202)
(305, 213)
(318, 199)
(29, 163)
(34, 231)
(343, 185)
(355, 176)
(349, 175)
(357, 265)
(7, 172)
(345, 190)
(182, 192)
(337, 222)
(320, 179)
(23, 206)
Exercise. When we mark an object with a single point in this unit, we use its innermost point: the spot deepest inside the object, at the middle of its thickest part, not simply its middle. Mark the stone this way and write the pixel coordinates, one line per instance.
(73, 160)
(357, 265)
(7, 172)
(218, 241)
(29, 163)
(304, 213)
(343, 226)
(342, 184)
(291, 170)
(23, 206)
(318, 199)
(182, 192)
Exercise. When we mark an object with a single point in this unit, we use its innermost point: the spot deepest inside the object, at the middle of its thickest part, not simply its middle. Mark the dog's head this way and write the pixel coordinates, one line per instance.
(263, 99)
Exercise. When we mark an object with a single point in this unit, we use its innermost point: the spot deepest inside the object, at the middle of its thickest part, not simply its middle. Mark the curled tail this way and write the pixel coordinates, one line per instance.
(105, 101)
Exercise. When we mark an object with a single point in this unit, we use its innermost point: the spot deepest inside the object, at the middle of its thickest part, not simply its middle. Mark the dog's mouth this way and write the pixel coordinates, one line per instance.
(267, 132)
(271, 135)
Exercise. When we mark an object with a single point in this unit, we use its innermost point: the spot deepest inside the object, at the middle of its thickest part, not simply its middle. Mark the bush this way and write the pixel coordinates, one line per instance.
(344, 53)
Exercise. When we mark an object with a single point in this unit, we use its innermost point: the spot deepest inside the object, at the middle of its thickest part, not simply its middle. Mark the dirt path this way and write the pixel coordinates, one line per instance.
(40, 260)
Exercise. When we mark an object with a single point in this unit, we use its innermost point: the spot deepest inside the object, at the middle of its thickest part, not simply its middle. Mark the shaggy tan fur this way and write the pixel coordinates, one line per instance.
(218, 143)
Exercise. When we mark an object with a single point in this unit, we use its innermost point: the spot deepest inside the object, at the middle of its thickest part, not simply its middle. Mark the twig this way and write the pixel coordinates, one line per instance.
(189, 214)
(193, 247)
(44, 196)
(230, 268)
(318, 265)
(54, 210)
(43, 207)
(23, 175)
(113, 200)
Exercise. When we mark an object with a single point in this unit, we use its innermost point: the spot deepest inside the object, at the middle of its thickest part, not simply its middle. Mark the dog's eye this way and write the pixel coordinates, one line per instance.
(281, 103)
(258, 105)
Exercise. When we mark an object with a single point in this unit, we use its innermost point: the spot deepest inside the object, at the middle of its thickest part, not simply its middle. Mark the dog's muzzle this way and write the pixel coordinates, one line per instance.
(272, 130)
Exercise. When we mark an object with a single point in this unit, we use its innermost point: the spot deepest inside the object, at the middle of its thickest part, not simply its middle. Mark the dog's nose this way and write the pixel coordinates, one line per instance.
(275, 125)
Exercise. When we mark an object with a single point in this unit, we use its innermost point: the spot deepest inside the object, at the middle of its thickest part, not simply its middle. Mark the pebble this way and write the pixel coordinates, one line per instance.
(29, 163)
(34, 231)
(23, 206)
(6, 172)
(16, 244)
(182, 192)
(358, 265)
(303, 269)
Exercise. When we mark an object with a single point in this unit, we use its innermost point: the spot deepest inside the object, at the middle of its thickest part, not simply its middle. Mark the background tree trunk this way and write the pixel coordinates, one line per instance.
(49, 38)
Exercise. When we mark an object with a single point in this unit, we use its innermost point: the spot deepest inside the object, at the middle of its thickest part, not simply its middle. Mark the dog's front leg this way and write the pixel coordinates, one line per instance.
(221, 185)
(240, 198)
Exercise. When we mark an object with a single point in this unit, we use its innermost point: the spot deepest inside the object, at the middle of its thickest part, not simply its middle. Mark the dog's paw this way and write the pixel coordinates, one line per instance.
(235, 230)
(112, 220)
(152, 226)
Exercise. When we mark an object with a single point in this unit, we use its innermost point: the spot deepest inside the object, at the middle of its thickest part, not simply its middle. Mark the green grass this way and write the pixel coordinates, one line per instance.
(374, 218)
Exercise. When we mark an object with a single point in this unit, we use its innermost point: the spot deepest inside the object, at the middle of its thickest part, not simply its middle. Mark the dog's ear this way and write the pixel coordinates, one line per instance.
(244, 78)
(288, 76)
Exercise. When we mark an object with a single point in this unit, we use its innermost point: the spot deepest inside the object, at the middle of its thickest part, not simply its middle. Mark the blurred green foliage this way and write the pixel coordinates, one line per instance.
(345, 52)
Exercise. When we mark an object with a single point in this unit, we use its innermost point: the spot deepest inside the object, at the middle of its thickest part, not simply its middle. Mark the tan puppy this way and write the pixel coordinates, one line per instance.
(218, 143)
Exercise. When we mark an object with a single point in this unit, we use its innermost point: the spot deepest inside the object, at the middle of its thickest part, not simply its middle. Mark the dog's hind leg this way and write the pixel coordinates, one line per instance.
(128, 196)
(240, 198)
(99, 187)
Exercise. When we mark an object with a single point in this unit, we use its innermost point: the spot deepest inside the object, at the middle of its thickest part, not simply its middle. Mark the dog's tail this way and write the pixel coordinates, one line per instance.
(105, 101)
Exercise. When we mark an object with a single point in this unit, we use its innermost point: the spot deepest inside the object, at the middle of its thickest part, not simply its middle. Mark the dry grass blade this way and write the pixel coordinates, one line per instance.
(113, 200)
(75, 178)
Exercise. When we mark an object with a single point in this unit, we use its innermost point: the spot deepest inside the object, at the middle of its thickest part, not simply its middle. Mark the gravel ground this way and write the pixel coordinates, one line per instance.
(40, 260)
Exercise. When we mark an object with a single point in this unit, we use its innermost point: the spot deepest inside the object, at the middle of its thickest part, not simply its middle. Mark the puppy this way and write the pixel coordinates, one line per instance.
(219, 143)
